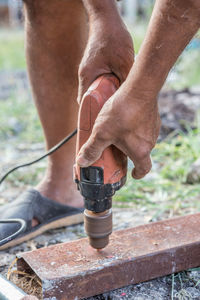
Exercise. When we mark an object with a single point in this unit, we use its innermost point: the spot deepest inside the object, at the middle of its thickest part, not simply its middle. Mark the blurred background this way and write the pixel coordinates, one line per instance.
(173, 186)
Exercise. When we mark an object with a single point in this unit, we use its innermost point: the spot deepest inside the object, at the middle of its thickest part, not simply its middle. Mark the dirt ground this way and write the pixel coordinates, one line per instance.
(186, 285)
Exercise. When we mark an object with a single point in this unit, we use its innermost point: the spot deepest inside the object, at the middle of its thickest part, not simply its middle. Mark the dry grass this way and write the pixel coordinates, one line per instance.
(29, 283)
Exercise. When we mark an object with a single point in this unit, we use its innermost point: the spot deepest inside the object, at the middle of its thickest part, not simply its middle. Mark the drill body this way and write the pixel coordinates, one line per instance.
(98, 183)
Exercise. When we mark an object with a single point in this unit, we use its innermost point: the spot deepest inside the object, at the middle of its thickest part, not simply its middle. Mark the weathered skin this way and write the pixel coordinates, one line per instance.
(130, 119)
(109, 48)
(56, 35)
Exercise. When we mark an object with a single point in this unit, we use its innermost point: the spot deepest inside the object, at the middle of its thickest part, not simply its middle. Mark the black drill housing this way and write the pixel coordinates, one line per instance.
(97, 195)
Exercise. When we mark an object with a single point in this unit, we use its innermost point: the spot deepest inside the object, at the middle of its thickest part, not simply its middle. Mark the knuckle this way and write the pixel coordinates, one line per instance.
(142, 171)
(91, 152)
(143, 152)
(146, 169)
(101, 131)
(100, 134)
(83, 69)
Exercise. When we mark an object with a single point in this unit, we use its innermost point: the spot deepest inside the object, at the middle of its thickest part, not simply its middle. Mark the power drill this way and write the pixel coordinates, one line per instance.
(98, 183)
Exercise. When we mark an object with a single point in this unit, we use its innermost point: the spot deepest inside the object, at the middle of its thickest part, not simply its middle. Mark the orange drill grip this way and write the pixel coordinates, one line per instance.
(112, 161)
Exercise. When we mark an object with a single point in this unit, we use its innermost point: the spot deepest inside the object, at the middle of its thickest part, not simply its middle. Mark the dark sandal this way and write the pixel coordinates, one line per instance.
(32, 205)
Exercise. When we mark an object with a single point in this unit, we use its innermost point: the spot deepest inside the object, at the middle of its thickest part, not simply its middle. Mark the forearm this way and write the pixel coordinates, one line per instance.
(101, 9)
(173, 24)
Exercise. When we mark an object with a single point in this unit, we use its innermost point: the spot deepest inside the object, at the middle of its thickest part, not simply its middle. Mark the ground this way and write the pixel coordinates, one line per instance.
(162, 194)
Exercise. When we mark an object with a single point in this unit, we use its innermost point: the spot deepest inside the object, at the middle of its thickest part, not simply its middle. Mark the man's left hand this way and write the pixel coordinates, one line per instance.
(109, 50)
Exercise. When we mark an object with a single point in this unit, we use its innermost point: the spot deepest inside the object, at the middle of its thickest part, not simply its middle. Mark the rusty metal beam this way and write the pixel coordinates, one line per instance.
(74, 270)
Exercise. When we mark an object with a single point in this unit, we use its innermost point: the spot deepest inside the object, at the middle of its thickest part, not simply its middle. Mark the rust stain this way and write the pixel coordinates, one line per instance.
(75, 270)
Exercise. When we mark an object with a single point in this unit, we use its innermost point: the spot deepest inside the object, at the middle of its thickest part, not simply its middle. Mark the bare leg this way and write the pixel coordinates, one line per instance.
(56, 33)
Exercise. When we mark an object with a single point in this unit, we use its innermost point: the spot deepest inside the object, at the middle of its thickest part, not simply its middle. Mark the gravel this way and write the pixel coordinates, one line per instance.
(158, 289)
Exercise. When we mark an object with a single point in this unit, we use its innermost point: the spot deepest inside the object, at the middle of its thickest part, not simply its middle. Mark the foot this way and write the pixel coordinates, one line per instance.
(58, 185)
(61, 189)
(29, 205)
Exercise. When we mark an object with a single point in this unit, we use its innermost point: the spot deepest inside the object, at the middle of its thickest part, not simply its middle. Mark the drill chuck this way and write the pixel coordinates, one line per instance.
(98, 227)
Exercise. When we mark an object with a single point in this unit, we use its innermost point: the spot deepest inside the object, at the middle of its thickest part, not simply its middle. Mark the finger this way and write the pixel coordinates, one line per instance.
(91, 151)
(141, 167)
(140, 157)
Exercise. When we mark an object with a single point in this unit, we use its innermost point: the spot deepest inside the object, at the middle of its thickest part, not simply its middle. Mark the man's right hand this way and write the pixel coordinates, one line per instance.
(129, 119)
(131, 123)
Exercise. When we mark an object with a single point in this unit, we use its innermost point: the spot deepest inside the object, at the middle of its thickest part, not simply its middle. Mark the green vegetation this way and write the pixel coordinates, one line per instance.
(12, 50)
(12, 56)
(164, 190)
(181, 281)
(161, 194)
(187, 68)
(19, 120)
(18, 115)
(138, 34)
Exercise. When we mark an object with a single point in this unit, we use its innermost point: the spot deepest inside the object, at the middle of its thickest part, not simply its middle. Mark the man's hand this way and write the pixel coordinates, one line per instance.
(129, 119)
(131, 123)
(109, 48)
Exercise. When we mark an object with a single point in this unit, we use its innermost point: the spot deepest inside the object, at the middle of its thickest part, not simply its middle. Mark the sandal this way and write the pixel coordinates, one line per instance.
(32, 205)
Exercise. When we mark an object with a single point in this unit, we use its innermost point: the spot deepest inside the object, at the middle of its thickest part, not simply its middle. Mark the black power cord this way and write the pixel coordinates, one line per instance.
(21, 221)
(52, 150)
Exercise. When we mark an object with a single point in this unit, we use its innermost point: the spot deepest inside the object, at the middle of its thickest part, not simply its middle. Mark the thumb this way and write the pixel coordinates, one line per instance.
(91, 151)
